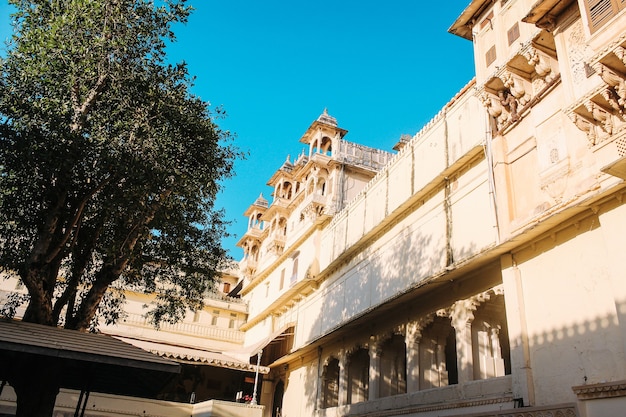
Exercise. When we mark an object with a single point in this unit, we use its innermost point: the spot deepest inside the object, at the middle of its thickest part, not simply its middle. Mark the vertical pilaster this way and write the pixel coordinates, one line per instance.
(521, 370)
(374, 371)
(498, 361)
(321, 377)
(613, 230)
(462, 317)
(412, 340)
(343, 378)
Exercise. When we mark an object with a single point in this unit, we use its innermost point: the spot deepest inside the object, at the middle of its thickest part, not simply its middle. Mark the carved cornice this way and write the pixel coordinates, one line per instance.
(563, 410)
(602, 390)
(595, 114)
(611, 47)
(438, 407)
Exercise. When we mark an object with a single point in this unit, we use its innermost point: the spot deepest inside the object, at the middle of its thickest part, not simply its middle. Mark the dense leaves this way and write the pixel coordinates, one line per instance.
(109, 166)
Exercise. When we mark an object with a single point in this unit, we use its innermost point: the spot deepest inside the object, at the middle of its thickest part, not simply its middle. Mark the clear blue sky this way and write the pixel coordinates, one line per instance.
(381, 68)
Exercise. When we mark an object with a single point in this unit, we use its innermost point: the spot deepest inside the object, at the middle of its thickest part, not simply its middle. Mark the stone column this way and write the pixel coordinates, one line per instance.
(613, 229)
(412, 340)
(374, 372)
(521, 370)
(462, 317)
(321, 385)
(498, 361)
(342, 392)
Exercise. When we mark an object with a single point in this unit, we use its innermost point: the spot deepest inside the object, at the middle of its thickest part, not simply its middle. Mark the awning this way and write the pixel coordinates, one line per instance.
(194, 356)
(94, 362)
(276, 336)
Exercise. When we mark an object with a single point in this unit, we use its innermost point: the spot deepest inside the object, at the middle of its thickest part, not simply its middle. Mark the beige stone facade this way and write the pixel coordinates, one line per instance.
(476, 271)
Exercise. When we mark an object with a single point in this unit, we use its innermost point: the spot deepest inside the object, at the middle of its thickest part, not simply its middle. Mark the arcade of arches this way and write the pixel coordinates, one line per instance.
(465, 342)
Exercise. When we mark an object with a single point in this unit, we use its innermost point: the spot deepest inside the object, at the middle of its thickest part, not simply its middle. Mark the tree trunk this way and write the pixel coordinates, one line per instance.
(35, 380)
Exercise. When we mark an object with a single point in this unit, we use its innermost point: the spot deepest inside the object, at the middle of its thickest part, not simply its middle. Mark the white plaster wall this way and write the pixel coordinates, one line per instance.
(300, 390)
(415, 247)
(571, 315)
(466, 126)
(429, 152)
(473, 217)
(603, 408)
(613, 231)
(399, 179)
(494, 32)
(409, 252)
(375, 203)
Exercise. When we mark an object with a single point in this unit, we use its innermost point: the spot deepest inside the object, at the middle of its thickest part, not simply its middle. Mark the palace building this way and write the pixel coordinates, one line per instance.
(470, 271)
(475, 271)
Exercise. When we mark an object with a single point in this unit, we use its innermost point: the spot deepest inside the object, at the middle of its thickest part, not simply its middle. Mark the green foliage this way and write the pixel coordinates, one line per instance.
(109, 166)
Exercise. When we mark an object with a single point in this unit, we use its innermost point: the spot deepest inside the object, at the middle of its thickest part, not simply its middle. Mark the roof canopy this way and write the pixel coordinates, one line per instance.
(93, 362)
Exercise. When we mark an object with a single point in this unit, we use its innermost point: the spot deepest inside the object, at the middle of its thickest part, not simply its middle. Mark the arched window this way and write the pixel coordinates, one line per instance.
(358, 376)
(294, 272)
(490, 340)
(326, 146)
(393, 367)
(331, 384)
(321, 186)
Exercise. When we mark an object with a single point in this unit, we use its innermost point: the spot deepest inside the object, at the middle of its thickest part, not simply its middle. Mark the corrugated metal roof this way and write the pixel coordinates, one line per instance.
(53, 341)
(95, 361)
(195, 356)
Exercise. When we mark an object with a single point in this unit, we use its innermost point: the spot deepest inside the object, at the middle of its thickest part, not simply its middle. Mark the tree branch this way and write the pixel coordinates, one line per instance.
(80, 112)
(75, 220)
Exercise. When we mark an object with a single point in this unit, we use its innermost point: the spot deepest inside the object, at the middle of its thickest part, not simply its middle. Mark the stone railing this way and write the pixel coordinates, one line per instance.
(194, 329)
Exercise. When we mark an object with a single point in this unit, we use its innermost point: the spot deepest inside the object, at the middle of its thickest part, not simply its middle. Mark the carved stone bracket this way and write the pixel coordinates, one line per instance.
(616, 86)
(414, 328)
(313, 211)
(597, 116)
(276, 246)
(541, 62)
(494, 107)
(600, 116)
(515, 85)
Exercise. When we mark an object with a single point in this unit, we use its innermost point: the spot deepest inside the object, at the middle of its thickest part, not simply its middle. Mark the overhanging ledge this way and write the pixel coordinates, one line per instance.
(88, 361)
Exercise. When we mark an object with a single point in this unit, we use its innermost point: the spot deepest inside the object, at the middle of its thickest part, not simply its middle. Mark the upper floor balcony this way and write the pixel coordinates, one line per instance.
(314, 205)
(600, 112)
(362, 156)
(514, 87)
(191, 329)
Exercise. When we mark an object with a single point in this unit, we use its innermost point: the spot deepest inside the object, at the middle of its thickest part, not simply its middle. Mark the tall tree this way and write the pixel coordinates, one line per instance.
(109, 168)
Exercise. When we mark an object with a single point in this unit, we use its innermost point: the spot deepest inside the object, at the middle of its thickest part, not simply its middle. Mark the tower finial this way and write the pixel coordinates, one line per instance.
(327, 118)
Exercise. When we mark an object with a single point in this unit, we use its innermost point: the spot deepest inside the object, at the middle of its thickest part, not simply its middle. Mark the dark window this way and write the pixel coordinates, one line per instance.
(490, 56)
(487, 21)
(601, 11)
(513, 33)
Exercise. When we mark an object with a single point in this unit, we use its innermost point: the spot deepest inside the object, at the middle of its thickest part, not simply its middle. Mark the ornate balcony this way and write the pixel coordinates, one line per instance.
(601, 112)
(315, 205)
(513, 89)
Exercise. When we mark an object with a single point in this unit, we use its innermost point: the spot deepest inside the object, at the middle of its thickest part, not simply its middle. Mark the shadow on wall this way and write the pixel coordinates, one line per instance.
(587, 351)
(376, 276)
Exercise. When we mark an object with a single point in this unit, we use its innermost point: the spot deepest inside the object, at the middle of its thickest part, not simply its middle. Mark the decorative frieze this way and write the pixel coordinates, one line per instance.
(601, 112)
(602, 390)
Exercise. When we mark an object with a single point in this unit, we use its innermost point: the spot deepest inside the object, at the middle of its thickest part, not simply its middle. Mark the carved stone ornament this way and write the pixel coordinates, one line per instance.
(499, 107)
(516, 87)
(540, 62)
(585, 126)
(614, 81)
(600, 116)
